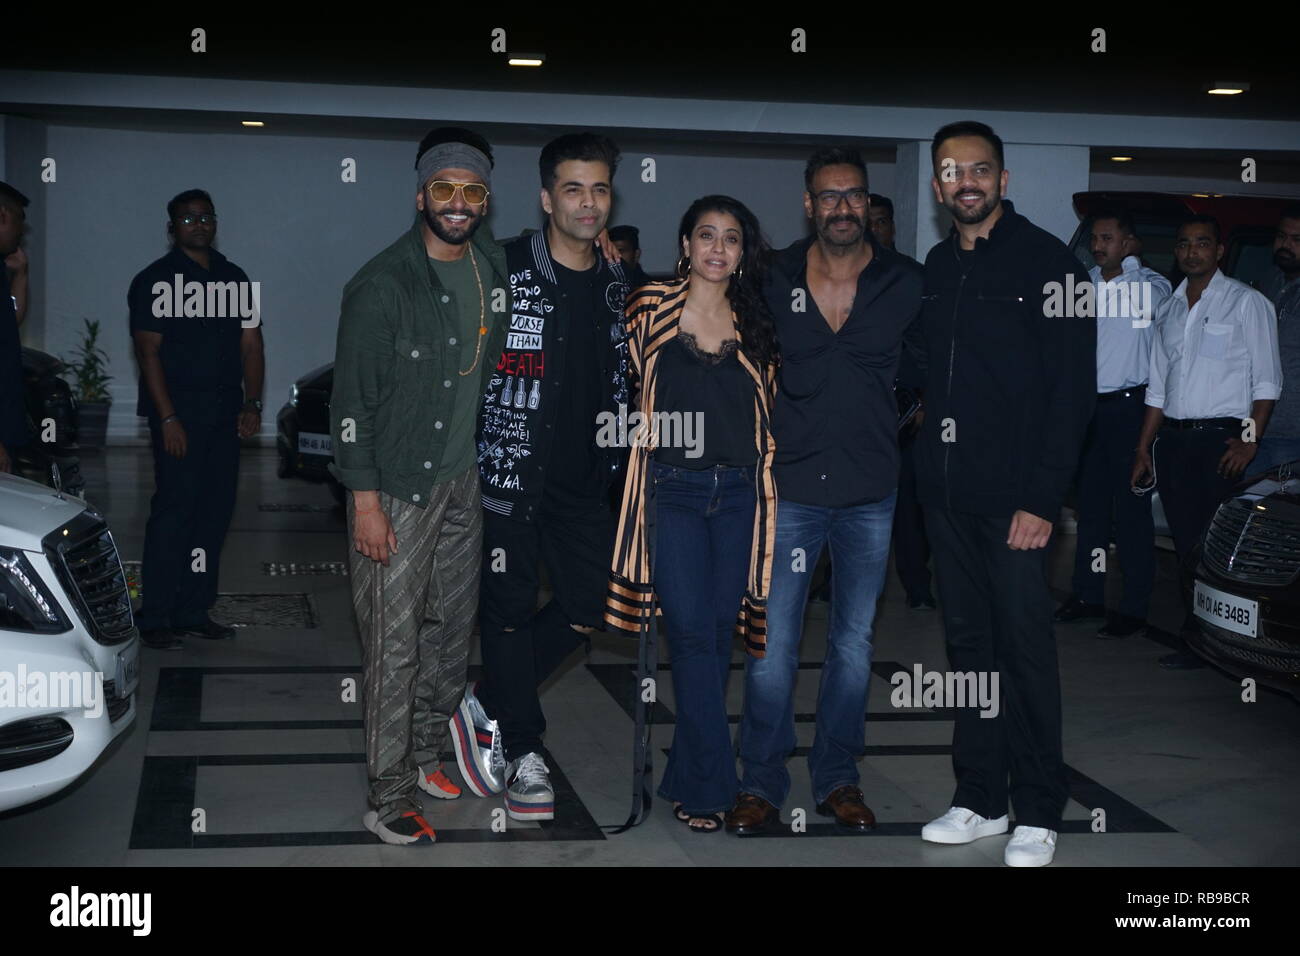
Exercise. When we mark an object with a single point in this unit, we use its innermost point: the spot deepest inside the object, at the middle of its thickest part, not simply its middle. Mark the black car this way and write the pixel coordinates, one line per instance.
(303, 430)
(51, 412)
(1246, 586)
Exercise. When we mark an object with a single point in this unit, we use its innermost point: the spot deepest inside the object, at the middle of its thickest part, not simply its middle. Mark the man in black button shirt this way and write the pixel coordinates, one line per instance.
(14, 432)
(842, 303)
(195, 320)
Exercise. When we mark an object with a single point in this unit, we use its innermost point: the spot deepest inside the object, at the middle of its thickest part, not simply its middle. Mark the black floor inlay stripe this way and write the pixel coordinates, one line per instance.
(165, 804)
(179, 701)
(166, 800)
(164, 809)
(619, 681)
(1122, 816)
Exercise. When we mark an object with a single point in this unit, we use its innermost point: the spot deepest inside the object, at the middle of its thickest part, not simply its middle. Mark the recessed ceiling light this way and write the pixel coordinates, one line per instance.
(529, 59)
(1121, 159)
(251, 123)
(1224, 88)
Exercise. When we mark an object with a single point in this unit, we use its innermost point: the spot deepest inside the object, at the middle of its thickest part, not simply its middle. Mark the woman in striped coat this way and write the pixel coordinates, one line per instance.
(703, 352)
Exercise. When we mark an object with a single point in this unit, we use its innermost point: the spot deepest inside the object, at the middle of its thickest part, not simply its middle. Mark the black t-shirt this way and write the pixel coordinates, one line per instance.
(200, 354)
(710, 401)
(573, 468)
(13, 414)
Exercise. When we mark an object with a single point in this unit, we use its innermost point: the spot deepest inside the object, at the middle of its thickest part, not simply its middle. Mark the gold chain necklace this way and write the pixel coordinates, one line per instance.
(482, 314)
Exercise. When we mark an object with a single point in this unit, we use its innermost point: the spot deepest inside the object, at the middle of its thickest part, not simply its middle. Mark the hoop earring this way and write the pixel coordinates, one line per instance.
(683, 271)
(739, 273)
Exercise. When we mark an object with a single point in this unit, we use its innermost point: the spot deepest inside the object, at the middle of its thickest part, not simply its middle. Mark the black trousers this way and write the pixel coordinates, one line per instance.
(576, 545)
(997, 615)
(1190, 487)
(911, 547)
(1108, 509)
(193, 501)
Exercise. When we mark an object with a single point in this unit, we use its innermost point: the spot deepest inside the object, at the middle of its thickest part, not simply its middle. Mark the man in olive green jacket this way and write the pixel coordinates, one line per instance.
(421, 328)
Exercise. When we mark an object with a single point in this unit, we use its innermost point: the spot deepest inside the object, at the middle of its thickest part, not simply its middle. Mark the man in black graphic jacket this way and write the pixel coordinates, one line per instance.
(545, 481)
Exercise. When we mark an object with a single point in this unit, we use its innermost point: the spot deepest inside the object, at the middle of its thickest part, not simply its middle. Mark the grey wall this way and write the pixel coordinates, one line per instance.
(290, 221)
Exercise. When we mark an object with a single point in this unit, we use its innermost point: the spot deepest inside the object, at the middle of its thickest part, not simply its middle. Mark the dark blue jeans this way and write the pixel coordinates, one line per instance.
(704, 529)
(192, 504)
(859, 541)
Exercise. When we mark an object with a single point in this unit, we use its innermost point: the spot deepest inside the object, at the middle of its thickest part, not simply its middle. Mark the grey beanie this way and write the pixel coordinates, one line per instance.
(452, 156)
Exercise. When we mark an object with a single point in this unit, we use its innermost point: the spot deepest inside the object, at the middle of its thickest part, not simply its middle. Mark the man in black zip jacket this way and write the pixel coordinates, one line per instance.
(1011, 343)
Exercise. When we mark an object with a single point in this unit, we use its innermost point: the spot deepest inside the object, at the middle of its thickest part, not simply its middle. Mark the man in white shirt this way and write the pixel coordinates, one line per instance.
(1128, 293)
(1215, 375)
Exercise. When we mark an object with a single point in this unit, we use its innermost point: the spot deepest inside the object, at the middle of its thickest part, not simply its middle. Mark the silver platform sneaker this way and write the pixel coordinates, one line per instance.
(477, 742)
(529, 795)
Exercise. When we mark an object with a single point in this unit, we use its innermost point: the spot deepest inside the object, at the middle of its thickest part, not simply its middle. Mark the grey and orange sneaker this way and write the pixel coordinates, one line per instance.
(438, 784)
(404, 830)
(477, 741)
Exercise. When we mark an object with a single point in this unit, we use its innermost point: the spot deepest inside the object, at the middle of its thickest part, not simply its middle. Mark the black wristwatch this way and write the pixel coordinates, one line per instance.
(255, 403)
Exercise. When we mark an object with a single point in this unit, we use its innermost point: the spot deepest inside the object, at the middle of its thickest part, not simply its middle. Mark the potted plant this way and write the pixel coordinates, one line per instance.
(91, 388)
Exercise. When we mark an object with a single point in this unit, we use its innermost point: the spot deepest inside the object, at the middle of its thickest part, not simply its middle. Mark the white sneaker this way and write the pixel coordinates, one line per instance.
(1031, 846)
(960, 825)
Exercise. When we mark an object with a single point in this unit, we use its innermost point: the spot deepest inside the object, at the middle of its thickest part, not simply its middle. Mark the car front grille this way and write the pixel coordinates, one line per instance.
(85, 559)
(1276, 663)
(1254, 543)
(25, 742)
(114, 705)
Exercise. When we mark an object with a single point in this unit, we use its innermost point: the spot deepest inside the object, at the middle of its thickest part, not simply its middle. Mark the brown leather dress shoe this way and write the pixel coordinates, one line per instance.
(751, 814)
(848, 808)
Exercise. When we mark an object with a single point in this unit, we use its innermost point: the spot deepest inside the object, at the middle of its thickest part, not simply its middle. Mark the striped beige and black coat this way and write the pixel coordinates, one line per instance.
(653, 316)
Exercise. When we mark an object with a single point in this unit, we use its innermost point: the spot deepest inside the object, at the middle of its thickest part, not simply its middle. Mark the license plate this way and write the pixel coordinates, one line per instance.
(313, 443)
(128, 670)
(1228, 611)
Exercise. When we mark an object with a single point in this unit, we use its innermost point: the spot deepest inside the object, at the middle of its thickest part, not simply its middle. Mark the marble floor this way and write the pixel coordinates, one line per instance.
(254, 734)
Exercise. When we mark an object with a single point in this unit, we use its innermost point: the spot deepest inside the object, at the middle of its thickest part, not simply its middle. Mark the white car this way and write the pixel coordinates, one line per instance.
(69, 649)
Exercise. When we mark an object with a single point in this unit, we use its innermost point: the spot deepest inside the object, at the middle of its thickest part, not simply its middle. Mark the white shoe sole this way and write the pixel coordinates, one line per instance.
(527, 812)
(1030, 861)
(952, 837)
(371, 820)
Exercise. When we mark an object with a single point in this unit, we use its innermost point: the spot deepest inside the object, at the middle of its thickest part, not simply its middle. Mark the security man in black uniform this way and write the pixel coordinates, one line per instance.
(14, 432)
(196, 322)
